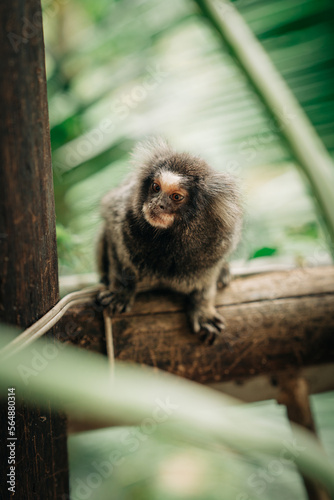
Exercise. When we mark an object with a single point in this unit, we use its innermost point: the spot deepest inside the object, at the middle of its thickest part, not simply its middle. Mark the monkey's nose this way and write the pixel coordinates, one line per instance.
(162, 207)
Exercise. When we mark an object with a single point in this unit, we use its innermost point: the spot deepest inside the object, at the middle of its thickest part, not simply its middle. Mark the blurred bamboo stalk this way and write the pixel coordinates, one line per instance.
(304, 142)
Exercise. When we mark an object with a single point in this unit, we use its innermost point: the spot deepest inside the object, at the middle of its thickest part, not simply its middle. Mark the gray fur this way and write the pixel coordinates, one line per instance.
(190, 255)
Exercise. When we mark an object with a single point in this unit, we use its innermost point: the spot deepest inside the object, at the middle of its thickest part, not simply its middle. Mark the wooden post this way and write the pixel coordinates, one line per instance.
(28, 253)
(294, 395)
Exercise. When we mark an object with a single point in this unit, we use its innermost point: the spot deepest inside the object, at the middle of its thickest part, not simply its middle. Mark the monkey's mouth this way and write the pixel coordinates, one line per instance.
(162, 220)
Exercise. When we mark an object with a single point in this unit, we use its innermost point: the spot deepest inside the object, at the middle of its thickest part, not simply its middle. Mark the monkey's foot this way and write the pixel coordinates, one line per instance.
(207, 324)
(117, 302)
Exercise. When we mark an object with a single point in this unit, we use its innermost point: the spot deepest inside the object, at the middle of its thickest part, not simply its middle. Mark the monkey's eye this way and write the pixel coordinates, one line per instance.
(176, 197)
(156, 187)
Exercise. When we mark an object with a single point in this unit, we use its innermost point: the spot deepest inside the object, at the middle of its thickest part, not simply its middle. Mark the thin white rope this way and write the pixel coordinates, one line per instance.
(109, 342)
(46, 322)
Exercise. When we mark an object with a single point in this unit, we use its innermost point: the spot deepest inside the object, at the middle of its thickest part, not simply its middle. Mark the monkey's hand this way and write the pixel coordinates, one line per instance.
(204, 318)
(117, 301)
(208, 324)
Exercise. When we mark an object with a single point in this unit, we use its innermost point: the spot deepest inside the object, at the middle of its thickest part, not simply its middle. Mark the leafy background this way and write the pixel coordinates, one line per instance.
(119, 71)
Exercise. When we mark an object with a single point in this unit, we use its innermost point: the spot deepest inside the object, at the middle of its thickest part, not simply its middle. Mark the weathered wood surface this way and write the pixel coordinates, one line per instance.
(273, 321)
(28, 254)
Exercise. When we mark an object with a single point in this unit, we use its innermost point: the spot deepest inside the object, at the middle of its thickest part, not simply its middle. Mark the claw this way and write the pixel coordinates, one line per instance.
(104, 298)
(207, 336)
(116, 302)
(209, 327)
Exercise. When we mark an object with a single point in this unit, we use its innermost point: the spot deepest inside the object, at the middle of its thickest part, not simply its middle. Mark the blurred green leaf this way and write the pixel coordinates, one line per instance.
(264, 252)
(309, 230)
(222, 433)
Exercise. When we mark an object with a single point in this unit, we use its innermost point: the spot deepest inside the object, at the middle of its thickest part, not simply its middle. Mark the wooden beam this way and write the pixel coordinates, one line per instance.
(319, 378)
(28, 254)
(274, 321)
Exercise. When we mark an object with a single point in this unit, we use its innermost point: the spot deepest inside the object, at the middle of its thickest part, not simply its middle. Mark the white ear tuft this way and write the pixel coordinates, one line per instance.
(149, 150)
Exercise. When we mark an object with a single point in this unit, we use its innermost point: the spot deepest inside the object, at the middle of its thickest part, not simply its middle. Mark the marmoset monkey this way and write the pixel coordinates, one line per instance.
(173, 222)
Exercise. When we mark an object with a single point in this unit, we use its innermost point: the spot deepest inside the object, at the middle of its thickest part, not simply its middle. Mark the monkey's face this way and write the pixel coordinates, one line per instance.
(165, 199)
